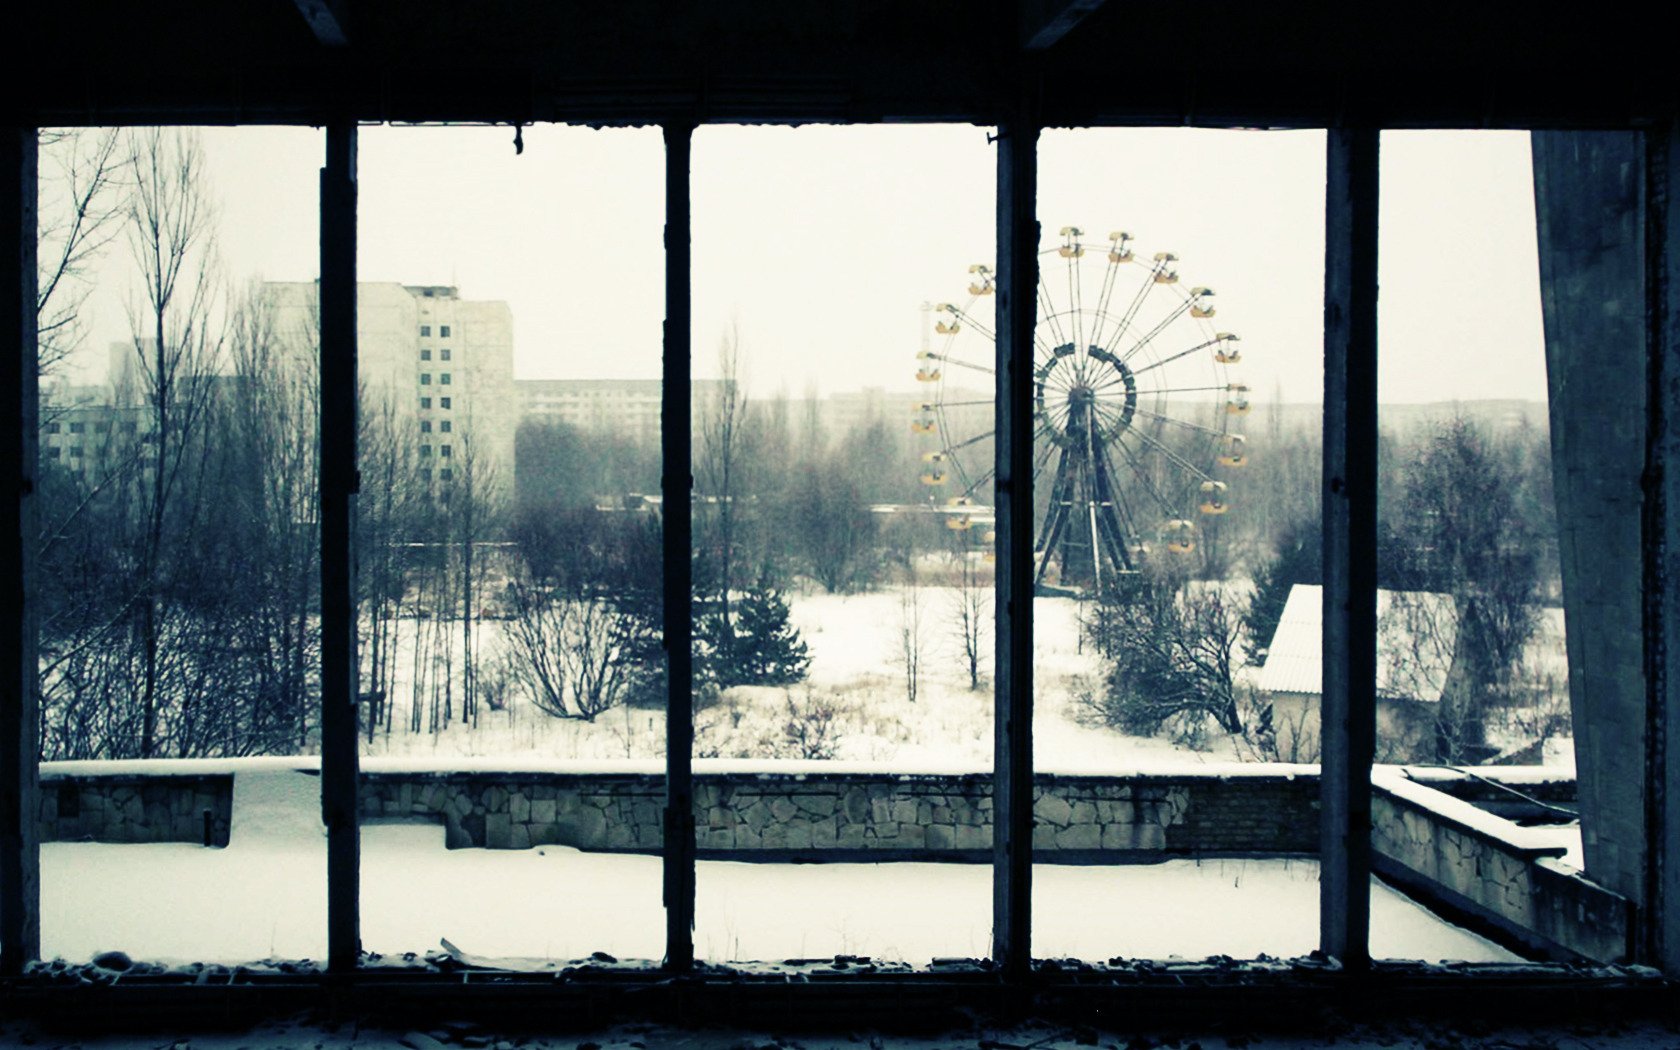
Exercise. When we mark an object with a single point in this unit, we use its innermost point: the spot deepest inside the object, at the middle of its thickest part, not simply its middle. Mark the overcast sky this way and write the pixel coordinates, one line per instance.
(821, 243)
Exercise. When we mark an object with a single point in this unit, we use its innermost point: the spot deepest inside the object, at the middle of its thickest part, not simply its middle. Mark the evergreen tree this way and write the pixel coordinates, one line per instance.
(1297, 561)
(760, 646)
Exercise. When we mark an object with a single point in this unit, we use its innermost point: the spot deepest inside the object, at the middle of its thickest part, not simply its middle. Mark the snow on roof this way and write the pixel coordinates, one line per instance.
(1417, 632)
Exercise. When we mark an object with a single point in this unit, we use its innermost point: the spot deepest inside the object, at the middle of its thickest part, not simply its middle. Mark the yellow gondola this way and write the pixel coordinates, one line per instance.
(1180, 536)
(947, 329)
(959, 522)
(1165, 274)
(1224, 353)
(1119, 253)
(1072, 249)
(927, 375)
(1213, 498)
(1237, 406)
(933, 477)
(1235, 453)
(983, 284)
(1198, 309)
(923, 425)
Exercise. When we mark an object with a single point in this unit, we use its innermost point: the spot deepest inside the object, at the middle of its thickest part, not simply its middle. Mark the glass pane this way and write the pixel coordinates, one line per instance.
(509, 542)
(1473, 674)
(1176, 698)
(179, 595)
(843, 582)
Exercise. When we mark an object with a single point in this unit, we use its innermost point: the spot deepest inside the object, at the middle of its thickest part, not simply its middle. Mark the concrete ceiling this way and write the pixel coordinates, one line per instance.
(1208, 62)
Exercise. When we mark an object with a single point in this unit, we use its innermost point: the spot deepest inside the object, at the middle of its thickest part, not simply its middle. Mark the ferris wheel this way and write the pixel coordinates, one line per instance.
(1133, 409)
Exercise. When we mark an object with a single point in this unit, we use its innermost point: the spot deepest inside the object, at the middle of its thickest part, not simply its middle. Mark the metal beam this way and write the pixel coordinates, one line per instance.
(340, 481)
(677, 508)
(1012, 773)
(1045, 22)
(20, 872)
(326, 19)
(1349, 543)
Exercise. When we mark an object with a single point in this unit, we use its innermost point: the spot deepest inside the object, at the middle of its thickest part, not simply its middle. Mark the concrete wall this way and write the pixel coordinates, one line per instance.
(883, 813)
(811, 815)
(1590, 206)
(1494, 874)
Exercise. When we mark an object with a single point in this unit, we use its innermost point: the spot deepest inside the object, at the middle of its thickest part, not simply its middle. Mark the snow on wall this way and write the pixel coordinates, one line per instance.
(1452, 854)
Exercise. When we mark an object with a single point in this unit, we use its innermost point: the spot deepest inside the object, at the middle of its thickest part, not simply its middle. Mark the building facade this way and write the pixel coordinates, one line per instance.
(437, 369)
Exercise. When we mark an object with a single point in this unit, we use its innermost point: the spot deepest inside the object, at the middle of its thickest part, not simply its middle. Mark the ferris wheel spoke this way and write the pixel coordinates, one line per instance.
(1136, 304)
(960, 363)
(1169, 360)
(1220, 387)
(969, 492)
(1200, 428)
(967, 318)
(975, 440)
(1178, 311)
(1109, 280)
(1143, 476)
(1168, 452)
(1076, 297)
(1046, 309)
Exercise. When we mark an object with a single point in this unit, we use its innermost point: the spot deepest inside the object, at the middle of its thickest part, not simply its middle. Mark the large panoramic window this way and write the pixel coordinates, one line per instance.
(510, 599)
(179, 554)
(843, 560)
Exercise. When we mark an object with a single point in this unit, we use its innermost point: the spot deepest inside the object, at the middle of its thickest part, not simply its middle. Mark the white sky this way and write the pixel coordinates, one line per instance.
(821, 243)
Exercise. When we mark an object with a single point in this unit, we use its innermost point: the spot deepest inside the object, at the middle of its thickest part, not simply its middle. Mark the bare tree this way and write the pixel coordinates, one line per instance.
(81, 211)
(1467, 527)
(1169, 649)
(720, 464)
(912, 630)
(170, 228)
(971, 609)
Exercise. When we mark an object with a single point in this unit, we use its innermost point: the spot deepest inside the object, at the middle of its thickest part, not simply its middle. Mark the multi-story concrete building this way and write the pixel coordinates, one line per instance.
(437, 367)
(628, 407)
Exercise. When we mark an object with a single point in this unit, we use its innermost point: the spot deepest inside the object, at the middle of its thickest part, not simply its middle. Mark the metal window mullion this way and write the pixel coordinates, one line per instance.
(1012, 773)
(676, 488)
(339, 485)
(1661, 548)
(20, 870)
(1349, 543)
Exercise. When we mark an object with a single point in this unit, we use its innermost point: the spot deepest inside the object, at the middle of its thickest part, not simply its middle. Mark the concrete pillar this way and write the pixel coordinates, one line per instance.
(1589, 191)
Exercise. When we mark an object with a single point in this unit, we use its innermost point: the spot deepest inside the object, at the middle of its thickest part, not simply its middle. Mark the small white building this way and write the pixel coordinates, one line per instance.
(1417, 644)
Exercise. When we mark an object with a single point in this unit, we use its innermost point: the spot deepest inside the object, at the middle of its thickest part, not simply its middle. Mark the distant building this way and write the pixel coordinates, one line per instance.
(441, 366)
(626, 407)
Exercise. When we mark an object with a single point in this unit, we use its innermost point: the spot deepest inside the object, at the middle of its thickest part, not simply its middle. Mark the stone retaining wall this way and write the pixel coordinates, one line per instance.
(137, 808)
(1494, 875)
(898, 814)
(784, 814)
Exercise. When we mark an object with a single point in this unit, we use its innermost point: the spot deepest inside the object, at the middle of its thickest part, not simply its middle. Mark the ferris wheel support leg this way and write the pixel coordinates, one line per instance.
(1012, 784)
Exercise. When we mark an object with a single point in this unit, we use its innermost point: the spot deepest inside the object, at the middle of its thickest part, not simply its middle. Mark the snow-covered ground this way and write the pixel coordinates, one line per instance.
(264, 896)
(856, 648)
